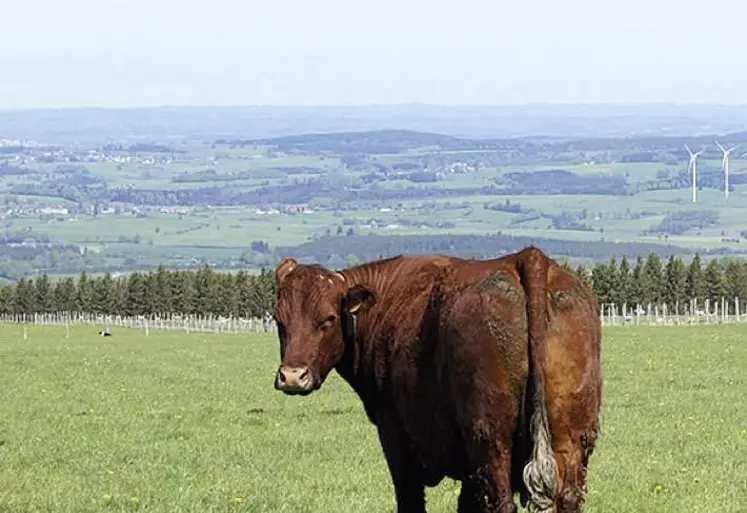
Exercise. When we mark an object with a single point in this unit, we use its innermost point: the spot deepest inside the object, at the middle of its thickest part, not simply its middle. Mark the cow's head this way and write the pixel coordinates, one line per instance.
(313, 304)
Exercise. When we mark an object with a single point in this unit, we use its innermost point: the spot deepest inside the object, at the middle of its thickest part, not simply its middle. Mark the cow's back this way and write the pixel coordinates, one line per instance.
(394, 323)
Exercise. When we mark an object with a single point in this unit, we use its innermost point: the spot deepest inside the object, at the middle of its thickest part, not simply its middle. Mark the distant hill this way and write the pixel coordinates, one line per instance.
(96, 126)
(372, 141)
(635, 149)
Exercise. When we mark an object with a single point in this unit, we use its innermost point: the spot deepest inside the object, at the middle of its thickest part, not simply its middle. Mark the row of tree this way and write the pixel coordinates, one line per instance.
(200, 292)
(673, 283)
(648, 281)
(336, 251)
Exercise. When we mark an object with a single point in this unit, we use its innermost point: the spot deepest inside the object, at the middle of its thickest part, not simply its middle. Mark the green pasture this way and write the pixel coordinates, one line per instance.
(148, 171)
(190, 422)
(610, 217)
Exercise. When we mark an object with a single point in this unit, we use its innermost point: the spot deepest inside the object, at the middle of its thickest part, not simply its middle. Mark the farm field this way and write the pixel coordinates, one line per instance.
(608, 216)
(231, 226)
(342, 198)
(190, 423)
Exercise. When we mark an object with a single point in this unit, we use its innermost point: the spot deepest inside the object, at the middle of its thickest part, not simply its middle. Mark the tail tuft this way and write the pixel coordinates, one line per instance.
(541, 472)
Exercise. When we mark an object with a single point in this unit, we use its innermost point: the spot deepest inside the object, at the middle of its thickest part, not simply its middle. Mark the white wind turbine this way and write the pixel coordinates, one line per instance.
(725, 165)
(693, 166)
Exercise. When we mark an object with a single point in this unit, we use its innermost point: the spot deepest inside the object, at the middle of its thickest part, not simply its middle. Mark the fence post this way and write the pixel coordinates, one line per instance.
(660, 314)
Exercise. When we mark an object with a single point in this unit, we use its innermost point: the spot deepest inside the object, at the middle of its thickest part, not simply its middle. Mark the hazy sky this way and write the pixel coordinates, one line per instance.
(57, 53)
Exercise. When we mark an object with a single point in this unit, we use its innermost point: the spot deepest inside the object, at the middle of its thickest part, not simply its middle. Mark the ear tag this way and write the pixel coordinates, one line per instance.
(354, 309)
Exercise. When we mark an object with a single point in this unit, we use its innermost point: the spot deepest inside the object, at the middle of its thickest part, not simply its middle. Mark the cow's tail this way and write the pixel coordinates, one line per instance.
(541, 471)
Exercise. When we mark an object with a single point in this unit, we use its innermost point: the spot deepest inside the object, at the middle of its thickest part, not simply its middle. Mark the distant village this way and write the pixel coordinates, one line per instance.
(59, 213)
(27, 154)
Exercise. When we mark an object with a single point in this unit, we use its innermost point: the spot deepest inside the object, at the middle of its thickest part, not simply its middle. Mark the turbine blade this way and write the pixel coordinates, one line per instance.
(720, 147)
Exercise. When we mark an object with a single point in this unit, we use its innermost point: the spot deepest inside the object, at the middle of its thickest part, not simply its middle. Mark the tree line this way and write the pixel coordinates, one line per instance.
(673, 283)
(645, 282)
(160, 292)
(335, 251)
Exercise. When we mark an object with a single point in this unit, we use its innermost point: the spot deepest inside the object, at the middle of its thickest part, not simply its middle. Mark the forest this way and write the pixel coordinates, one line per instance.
(339, 251)
(644, 282)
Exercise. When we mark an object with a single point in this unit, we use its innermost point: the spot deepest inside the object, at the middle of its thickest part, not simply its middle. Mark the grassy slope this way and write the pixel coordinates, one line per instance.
(176, 422)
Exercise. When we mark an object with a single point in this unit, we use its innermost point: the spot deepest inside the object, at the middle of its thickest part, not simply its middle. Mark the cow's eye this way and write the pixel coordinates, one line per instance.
(329, 321)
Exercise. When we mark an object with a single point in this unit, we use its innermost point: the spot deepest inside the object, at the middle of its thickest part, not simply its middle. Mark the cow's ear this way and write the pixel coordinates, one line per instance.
(284, 268)
(357, 299)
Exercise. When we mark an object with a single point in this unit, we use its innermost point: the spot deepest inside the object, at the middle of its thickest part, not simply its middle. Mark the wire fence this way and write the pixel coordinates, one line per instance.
(187, 324)
(692, 312)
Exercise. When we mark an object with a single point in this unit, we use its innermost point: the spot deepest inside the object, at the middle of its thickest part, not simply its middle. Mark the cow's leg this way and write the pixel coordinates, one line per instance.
(487, 404)
(574, 425)
(495, 483)
(489, 487)
(573, 413)
(486, 494)
(470, 497)
(572, 454)
(405, 471)
(483, 493)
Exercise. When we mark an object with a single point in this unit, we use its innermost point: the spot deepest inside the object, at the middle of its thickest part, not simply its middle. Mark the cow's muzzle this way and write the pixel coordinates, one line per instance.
(294, 380)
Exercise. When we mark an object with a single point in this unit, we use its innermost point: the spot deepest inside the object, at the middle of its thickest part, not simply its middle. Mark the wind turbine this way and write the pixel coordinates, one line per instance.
(693, 165)
(725, 165)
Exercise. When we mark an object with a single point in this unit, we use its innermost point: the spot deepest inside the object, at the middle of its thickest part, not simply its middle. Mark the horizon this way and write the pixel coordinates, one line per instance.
(101, 125)
(548, 104)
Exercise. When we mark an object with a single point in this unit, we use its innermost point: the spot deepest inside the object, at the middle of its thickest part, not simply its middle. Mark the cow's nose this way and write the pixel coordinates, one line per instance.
(293, 379)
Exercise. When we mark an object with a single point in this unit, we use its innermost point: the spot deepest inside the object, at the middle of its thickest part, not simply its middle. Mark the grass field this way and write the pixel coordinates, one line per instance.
(190, 423)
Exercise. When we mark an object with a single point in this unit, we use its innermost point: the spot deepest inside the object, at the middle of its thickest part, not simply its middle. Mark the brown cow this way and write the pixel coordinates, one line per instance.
(442, 371)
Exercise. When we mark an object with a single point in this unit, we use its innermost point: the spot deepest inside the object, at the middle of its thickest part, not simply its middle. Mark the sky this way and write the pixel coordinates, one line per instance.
(129, 53)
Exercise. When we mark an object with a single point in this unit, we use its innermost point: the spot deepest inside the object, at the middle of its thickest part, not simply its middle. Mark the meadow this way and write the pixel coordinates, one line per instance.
(190, 423)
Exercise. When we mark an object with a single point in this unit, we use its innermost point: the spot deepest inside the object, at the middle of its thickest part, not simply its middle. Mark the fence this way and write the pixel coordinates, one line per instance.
(691, 312)
(721, 312)
(187, 324)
